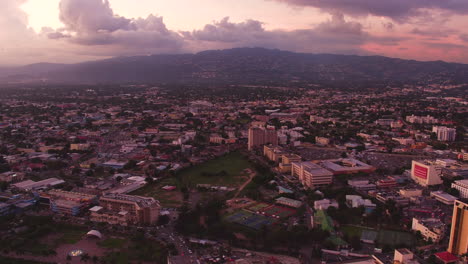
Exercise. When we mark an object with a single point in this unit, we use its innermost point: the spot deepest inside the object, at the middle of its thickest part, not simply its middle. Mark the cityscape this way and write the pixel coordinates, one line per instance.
(115, 151)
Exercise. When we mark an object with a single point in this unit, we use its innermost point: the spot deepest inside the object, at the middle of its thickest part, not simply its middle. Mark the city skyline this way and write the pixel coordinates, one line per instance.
(67, 31)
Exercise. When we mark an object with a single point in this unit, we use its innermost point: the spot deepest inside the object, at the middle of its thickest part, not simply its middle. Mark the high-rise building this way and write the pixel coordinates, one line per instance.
(426, 173)
(458, 244)
(260, 136)
(445, 133)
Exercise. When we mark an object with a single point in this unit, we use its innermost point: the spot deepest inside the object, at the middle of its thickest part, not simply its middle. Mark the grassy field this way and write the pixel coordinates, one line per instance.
(113, 243)
(36, 229)
(166, 198)
(227, 170)
(384, 237)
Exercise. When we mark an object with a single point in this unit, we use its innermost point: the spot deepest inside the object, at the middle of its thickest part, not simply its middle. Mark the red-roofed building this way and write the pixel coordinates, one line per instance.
(446, 257)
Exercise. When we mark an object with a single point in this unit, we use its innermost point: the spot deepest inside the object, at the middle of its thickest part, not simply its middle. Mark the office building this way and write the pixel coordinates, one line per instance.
(259, 136)
(462, 187)
(458, 243)
(126, 209)
(426, 173)
(311, 175)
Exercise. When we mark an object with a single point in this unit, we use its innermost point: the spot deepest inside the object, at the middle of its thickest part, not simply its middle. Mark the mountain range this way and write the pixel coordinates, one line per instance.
(241, 66)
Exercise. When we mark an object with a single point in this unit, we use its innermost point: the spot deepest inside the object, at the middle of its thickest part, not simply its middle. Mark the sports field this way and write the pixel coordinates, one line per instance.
(250, 220)
(383, 236)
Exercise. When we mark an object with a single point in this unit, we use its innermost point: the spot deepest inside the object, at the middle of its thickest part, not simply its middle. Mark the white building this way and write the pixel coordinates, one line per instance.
(430, 228)
(325, 204)
(311, 175)
(445, 133)
(462, 187)
(426, 173)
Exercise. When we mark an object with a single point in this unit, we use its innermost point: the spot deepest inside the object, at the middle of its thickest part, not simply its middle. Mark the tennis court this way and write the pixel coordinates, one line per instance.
(258, 207)
(250, 220)
(279, 211)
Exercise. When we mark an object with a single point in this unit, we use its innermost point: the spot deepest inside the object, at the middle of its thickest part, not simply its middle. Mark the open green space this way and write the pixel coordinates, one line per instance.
(34, 229)
(227, 170)
(8, 260)
(166, 198)
(382, 237)
(137, 249)
(324, 220)
(112, 243)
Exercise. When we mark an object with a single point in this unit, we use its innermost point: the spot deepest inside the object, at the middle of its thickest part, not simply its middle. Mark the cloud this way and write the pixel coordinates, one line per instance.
(463, 37)
(399, 10)
(433, 32)
(334, 35)
(93, 23)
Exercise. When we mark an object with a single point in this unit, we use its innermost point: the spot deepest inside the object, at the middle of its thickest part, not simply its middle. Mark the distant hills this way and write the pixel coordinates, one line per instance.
(241, 66)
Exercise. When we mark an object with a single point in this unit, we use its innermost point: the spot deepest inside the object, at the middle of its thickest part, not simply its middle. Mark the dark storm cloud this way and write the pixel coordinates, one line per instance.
(399, 10)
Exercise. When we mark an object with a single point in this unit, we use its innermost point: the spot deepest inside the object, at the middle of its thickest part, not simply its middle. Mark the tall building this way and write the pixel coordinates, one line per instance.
(426, 173)
(126, 209)
(458, 244)
(260, 136)
(445, 133)
(311, 175)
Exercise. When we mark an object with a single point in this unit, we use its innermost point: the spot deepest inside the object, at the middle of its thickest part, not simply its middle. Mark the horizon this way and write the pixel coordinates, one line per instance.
(71, 31)
(198, 52)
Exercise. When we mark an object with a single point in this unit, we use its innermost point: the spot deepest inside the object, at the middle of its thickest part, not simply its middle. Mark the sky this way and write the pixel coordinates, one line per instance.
(69, 31)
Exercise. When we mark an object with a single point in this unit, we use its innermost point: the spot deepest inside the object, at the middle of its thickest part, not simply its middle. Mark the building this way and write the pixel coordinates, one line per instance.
(462, 187)
(426, 173)
(30, 185)
(458, 243)
(443, 197)
(346, 166)
(445, 133)
(362, 185)
(323, 141)
(421, 119)
(311, 175)
(289, 202)
(430, 228)
(259, 136)
(69, 203)
(324, 204)
(387, 183)
(356, 201)
(273, 153)
(286, 161)
(404, 256)
(11, 176)
(410, 193)
(126, 209)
